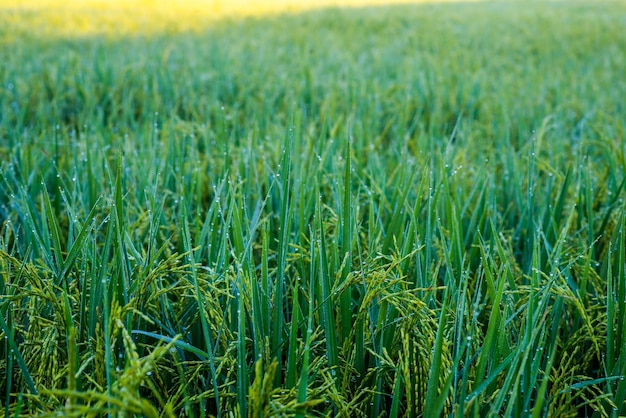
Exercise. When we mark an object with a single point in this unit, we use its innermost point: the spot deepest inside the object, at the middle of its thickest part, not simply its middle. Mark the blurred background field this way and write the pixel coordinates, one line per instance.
(119, 18)
(275, 209)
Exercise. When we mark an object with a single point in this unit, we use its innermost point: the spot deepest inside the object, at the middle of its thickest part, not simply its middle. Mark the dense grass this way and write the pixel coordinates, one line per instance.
(398, 211)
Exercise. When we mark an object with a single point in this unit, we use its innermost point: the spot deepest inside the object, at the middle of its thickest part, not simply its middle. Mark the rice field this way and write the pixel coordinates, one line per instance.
(227, 209)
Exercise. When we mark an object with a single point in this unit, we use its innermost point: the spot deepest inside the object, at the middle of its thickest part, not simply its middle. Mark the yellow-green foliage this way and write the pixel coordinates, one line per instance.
(233, 208)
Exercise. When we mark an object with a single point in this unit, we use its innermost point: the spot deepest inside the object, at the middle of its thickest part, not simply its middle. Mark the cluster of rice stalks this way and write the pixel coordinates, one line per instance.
(341, 228)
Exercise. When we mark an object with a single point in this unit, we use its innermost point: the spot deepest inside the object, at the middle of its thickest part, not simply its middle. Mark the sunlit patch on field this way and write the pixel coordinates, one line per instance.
(119, 18)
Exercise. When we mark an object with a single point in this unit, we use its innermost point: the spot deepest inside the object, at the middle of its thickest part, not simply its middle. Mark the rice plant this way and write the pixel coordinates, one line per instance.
(400, 211)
